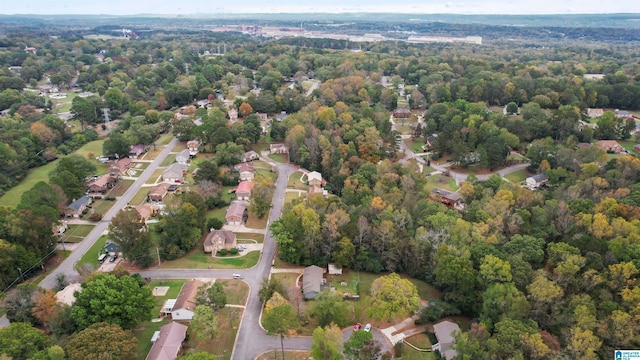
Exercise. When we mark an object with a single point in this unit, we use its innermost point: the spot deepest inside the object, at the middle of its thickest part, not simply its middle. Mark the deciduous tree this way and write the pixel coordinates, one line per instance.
(327, 343)
(20, 341)
(212, 295)
(102, 341)
(392, 296)
(279, 318)
(329, 308)
(129, 231)
(204, 323)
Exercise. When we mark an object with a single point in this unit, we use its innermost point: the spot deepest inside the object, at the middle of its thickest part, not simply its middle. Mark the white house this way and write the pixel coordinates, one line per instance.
(536, 181)
(183, 157)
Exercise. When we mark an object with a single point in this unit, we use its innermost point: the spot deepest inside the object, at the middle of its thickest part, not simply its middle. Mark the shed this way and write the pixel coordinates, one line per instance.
(334, 270)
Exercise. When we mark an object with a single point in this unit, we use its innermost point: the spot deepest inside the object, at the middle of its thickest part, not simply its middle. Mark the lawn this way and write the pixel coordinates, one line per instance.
(259, 164)
(290, 196)
(121, 187)
(288, 355)
(169, 160)
(287, 279)
(93, 148)
(421, 341)
(254, 238)
(198, 259)
(222, 345)
(296, 183)
(145, 331)
(164, 139)
(415, 144)
(91, 256)
(155, 177)
(405, 130)
(76, 233)
(281, 158)
(101, 207)
(140, 197)
(267, 173)
(152, 154)
(179, 147)
(12, 197)
(218, 213)
(254, 222)
(237, 291)
(518, 176)
(628, 145)
(441, 182)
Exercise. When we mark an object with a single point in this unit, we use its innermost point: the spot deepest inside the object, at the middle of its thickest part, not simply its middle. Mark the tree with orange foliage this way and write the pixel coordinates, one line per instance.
(46, 308)
(245, 109)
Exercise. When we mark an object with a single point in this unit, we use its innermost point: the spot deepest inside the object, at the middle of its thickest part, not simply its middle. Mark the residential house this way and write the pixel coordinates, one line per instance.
(278, 148)
(123, 165)
(314, 179)
(536, 181)
(174, 173)
(235, 213)
(218, 240)
(262, 116)
(401, 113)
(76, 208)
(623, 114)
(636, 149)
(444, 332)
(60, 229)
(183, 157)
(430, 142)
(167, 343)
(250, 156)
(193, 147)
(203, 103)
(610, 146)
(334, 270)
(30, 49)
(246, 171)
(102, 184)
(594, 113)
(243, 191)
(233, 115)
(451, 199)
(112, 249)
(145, 211)
(283, 115)
(186, 301)
(136, 151)
(158, 192)
(312, 281)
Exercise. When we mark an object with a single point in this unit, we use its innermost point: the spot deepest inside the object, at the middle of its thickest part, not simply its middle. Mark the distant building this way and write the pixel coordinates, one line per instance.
(278, 148)
(250, 156)
(401, 113)
(136, 151)
(174, 173)
(594, 113)
(623, 114)
(610, 146)
(536, 181)
(233, 115)
(193, 147)
(183, 157)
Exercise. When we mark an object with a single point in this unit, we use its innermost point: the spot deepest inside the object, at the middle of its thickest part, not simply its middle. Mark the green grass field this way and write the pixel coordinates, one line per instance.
(440, 182)
(518, 176)
(290, 196)
(91, 256)
(237, 291)
(121, 187)
(164, 139)
(198, 259)
(267, 173)
(254, 238)
(281, 158)
(415, 144)
(295, 182)
(155, 177)
(169, 160)
(76, 233)
(140, 197)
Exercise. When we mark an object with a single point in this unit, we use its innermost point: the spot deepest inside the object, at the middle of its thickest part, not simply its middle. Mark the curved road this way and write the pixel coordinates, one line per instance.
(67, 266)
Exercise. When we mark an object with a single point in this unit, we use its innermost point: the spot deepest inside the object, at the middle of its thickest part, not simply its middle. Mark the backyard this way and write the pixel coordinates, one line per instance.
(415, 144)
(420, 341)
(518, 176)
(222, 345)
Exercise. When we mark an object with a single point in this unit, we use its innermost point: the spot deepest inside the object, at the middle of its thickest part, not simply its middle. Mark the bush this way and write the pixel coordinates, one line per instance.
(222, 252)
(233, 251)
(97, 197)
(397, 349)
(110, 198)
(95, 217)
(214, 223)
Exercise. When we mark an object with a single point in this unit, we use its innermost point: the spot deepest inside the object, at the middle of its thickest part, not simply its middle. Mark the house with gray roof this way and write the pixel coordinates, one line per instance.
(76, 208)
(167, 343)
(444, 332)
(312, 281)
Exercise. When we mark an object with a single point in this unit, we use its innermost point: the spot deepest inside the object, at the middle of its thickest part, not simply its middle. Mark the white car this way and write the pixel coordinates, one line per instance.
(238, 276)
(367, 327)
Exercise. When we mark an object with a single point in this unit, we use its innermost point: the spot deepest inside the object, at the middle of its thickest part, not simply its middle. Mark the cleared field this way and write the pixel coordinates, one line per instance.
(295, 182)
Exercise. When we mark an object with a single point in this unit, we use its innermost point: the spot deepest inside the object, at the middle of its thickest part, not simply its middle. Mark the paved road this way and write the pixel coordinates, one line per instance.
(67, 266)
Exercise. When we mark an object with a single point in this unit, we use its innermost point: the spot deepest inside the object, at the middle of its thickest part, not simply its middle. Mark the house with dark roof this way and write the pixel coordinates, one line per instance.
(185, 304)
(444, 332)
(167, 343)
(112, 248)
(623, 114)
(401, 113)
(235, 213)
(283, 115)
(312, 281)
(451, 199)
(218, 240)
(76, 208)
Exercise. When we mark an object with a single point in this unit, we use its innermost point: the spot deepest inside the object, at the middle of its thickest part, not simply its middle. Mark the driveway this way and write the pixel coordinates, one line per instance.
(67, 266)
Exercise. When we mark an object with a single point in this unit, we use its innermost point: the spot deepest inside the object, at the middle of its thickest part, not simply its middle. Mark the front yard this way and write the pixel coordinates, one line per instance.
(198, 259)
(76, 233)
(440, 182)
(296, 183)
(91, 256)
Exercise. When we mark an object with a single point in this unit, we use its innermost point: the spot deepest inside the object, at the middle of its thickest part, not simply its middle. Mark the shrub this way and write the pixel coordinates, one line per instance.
(110, 198)
(95, 217)
(233, 251)
(397, 349)
(222, 252)
(97, 197)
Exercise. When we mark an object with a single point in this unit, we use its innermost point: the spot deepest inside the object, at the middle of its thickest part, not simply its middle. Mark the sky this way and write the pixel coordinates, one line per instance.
(188, 7)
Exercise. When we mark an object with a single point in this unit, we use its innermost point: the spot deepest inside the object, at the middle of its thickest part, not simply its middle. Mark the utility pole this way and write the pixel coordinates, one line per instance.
(21, 277)
(158, 252)
(186, 68)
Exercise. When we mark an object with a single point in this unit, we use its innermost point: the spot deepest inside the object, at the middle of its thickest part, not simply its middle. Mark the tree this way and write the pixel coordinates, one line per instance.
(212, 295)
(261, 195)
(361, 346)
(327, 343)
(46, 308)
(19, 302)
(279, 318)
(83, 110)
(116, 300)
(269, 287)
(204, 323)
(70, 185)
(75, 164)
(512, 108)
(392, 296)
(129, 231)
(503, 301)
(329, 308)
(21, 341)
(102, 341)
(245, 109)
(344, 253)
(180, 231)
(116, 144)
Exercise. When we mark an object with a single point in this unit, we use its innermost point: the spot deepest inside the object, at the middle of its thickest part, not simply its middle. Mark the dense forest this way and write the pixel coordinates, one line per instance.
(544, 274)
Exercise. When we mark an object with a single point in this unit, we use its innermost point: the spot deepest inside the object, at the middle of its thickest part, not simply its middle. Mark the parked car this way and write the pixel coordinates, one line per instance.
(238, 276)
(113, 258)
(102, 257)
(357, 327)
(367, 327)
